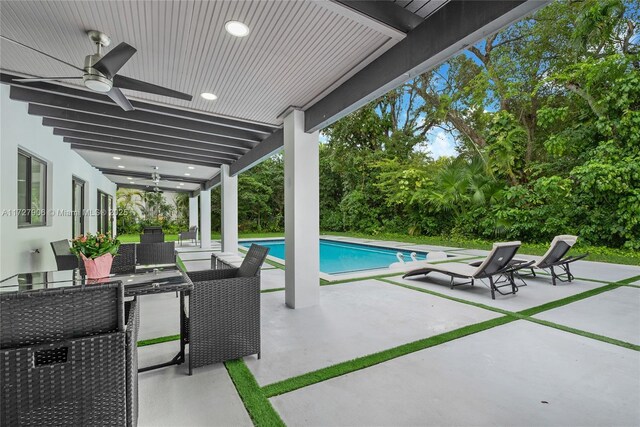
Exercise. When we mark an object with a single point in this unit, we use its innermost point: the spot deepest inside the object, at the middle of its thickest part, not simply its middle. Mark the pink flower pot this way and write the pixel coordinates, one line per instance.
(98, 268)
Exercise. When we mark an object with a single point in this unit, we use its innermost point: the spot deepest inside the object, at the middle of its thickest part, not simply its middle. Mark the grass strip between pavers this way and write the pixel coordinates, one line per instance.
(253, 397)
(158, 340)
(438, 294)
(339, 369)
(586, 334)
(568, 300)
(526, 314)
(629, 280)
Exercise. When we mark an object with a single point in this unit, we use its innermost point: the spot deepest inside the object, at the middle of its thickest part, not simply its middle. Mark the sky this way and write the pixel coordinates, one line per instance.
(441, 144)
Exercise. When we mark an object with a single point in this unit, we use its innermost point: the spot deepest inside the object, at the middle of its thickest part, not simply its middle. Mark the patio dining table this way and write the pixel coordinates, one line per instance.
(145, 281)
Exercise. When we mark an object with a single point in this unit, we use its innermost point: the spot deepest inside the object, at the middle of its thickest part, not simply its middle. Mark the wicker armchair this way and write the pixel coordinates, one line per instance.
(64, 357)
(65, 260)
(223, 317)
(156, 253)
(191, 234)
(132, 316)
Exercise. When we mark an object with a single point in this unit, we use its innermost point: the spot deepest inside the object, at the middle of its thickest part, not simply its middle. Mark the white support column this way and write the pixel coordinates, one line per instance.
(301, 213)
(193, 211)
(205, 219)
(229, 210)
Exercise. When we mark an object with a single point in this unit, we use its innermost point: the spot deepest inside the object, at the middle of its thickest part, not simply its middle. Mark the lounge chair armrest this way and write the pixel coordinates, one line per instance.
(511, 268)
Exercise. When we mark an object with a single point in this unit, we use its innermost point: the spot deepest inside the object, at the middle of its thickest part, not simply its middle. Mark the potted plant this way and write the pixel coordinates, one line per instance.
(97, 252)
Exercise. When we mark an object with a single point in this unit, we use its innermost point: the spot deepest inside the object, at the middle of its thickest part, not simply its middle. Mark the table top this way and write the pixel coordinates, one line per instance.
(144, 281)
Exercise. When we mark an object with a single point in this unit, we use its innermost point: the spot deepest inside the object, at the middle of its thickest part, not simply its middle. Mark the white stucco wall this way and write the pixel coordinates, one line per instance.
(19, 129)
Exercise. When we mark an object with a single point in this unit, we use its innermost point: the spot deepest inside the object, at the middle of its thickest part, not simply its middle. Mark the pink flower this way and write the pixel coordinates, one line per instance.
(83, 239)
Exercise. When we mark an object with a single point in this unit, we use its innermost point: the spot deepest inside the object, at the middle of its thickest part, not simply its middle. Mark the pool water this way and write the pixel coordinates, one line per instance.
(343, 257)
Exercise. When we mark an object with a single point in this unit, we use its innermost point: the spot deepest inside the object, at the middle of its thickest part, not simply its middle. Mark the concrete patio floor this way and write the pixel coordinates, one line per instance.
(498, 376)
(501, 376)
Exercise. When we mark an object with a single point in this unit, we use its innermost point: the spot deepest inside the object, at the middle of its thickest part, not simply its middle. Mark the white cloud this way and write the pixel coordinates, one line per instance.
(441, 144)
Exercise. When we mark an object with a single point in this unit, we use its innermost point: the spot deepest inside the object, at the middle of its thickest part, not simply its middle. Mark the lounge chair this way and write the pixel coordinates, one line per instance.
(497, 267)
(555, 257)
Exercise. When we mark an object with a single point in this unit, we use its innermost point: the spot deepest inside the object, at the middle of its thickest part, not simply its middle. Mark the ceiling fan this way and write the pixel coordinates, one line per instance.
(100, 72)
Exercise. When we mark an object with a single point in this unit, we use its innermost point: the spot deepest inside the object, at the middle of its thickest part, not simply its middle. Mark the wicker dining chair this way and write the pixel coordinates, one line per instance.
(222, 318)
(64, 357)
(156, 253)
(65, 260)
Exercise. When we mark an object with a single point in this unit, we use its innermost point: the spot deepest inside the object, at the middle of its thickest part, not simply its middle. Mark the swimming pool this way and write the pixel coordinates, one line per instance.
(343, 257)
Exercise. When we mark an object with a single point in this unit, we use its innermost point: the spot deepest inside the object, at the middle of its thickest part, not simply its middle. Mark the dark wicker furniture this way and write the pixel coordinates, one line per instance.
(132, 316)
(191, 234)
(65, 260)
(223, 317)
(152, 235)
(155, 253)
(65, 357)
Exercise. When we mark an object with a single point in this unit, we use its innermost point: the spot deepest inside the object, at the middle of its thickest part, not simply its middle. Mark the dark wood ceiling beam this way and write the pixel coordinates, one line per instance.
(258, 128)
(228, 146)
(213, 182)
(139, 138)
(265, 149)
(147, 175)
(21, 93)
(79, 144)
(99, 140)
(387, 12)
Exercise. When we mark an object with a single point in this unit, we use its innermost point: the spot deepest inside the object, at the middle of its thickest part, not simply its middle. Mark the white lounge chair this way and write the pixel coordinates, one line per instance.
(497, 267)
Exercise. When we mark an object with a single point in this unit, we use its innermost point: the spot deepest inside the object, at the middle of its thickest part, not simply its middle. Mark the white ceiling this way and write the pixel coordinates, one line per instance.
(165, 184)
(295, 52)
(142, 164)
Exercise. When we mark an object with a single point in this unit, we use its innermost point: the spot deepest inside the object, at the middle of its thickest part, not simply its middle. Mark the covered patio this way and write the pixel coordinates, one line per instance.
(362, 349)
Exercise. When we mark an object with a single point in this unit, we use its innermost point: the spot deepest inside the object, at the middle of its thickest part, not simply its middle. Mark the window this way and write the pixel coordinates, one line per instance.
(105, 214)
(77, 191)
(32, 190)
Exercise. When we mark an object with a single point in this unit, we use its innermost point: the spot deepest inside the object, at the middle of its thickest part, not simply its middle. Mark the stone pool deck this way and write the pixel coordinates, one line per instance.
(390, 351)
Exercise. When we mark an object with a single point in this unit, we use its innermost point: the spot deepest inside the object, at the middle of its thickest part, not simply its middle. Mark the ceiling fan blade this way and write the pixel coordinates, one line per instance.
(118, 97)
(133, 84)
(45, 79)
(40, 52)
(111, 63)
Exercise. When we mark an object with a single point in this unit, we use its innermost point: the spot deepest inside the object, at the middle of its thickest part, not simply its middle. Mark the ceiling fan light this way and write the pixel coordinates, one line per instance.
(209, 96)
(97, 83)
(236, 28)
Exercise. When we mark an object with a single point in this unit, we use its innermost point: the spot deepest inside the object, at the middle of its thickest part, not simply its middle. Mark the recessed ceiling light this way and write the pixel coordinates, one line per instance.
(209, 96)
(116, 158)
(129, 177)
(190, 167)
(132, 182)
(177, 186)
(187, 174)
(236, 28)
(182, 183)
(121, 167)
